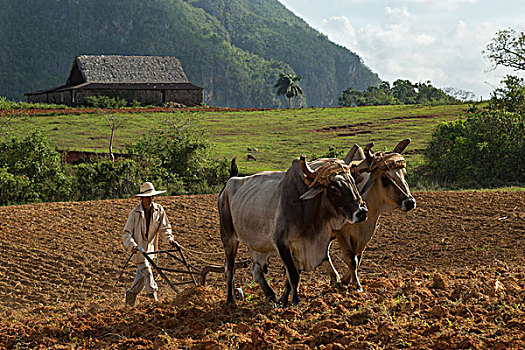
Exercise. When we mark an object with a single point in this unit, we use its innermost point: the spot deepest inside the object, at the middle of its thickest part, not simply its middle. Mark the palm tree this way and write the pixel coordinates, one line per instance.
(288, 84)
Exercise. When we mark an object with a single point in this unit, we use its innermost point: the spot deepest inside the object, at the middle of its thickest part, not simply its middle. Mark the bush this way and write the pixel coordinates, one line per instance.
(8, 104)
(34, 168)
(105, 179)
(104, 102)
(179, 155)
(485, 150)
(14, 189)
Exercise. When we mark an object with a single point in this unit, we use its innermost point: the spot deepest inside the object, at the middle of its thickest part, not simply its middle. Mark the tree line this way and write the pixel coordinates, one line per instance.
(401, 92)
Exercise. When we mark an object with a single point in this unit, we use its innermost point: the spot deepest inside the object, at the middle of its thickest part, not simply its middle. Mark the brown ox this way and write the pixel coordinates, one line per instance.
(383, 187)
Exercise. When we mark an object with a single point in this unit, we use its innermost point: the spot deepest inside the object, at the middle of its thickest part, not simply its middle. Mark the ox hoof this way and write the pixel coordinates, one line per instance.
(283, 303)
(345, 281)
(336, 284)
(359, 289)
(339, 286)
(239, 294)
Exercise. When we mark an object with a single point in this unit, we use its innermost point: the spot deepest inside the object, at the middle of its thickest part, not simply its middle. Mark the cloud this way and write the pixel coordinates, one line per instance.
(442, 5)
(408, 46)
(340, 30)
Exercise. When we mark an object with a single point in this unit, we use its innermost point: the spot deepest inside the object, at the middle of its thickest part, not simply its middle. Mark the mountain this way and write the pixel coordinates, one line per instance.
(235, 49)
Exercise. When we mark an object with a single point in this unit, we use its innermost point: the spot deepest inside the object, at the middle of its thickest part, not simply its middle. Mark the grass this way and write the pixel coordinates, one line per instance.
(279, 135)
(6, 104)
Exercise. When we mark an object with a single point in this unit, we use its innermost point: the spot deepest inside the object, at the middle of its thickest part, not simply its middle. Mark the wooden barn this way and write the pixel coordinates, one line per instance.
(150, 80)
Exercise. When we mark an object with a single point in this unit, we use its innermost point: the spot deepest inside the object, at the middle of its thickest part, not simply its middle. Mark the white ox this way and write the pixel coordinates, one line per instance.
(383, 188)
(288, 214)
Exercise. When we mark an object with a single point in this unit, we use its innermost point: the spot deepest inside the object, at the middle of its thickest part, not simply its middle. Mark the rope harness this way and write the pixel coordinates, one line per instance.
(326, 173)
(387, 161)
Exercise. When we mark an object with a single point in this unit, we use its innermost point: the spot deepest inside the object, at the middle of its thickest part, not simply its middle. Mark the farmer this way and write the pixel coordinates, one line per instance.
(142, 229)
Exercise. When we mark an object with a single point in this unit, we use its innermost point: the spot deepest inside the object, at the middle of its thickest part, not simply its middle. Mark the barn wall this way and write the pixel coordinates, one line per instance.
(185, 97)
(57, 97)
(39, 98)
(146, 97)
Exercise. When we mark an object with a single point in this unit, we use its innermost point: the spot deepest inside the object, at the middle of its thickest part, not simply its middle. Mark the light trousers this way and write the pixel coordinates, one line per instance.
(144, 278)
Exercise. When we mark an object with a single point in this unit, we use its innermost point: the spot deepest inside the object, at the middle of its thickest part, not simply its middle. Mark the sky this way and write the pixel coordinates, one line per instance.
(419, 40)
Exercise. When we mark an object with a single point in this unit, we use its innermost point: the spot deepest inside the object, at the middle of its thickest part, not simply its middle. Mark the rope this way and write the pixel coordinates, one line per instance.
(325, 173)
(193, 257)
(390, 162)
(328, 171)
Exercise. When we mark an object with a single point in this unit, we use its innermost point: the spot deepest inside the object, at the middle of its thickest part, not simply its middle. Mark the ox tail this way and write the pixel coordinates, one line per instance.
(234, 170)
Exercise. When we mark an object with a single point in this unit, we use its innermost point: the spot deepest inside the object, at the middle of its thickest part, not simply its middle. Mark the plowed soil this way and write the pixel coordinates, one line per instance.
(448, 275)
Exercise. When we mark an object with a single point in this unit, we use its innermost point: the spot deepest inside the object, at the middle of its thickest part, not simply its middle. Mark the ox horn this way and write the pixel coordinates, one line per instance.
(368, 152)
(350, 155)
(401, 146)
(305, 168)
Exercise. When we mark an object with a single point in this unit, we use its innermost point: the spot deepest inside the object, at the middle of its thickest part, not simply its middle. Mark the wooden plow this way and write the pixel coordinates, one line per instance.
(198, 275)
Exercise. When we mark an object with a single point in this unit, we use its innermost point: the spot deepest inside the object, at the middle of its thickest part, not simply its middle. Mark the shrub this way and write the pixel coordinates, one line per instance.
(14, 188)
(487, 149)
(105, 179)
(179, 154)
(103, 101)
(8, 104)
(34, 168)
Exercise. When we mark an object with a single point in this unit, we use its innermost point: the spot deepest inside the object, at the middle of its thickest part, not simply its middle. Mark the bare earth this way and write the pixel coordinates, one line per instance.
(450, 274)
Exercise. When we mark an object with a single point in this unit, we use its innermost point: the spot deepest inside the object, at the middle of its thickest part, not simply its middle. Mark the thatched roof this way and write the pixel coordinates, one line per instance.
(129, 69)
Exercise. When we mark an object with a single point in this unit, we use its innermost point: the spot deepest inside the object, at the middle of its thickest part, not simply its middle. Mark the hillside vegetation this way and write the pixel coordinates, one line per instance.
(235, 49)
(278, 135)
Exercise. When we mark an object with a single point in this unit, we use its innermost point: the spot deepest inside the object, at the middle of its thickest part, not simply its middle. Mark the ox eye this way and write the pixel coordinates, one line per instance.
(335, 188)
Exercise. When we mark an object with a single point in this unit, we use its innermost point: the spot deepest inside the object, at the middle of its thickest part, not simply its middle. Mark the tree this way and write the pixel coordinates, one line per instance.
(372, 96)
(404, 91)
(487, 148)
(510, 97)
(459, 94)
(288, 85)
(114, 124)
(507, 48)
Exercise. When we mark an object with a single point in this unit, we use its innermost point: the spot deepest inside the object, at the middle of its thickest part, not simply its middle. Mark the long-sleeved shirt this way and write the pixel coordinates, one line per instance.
(135, 230)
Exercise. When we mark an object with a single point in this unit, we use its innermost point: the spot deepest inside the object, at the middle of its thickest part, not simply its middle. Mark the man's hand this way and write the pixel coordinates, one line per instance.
(135, 249)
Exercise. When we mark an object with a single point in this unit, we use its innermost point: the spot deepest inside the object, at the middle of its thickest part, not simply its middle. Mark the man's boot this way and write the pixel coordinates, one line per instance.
(153, 296)
(131, 298)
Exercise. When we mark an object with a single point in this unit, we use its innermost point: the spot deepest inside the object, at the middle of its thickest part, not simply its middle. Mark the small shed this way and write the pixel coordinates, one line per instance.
(150, 80)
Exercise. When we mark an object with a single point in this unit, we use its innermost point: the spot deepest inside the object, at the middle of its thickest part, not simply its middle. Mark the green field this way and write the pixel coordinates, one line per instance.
(278, 135)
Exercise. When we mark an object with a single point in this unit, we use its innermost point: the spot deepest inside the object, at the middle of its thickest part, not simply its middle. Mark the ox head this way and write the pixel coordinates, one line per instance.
(334, 178)
(388, 172)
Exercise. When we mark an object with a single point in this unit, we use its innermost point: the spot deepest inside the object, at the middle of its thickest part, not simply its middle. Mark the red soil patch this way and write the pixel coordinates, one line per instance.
(51, 111)
(446, 275)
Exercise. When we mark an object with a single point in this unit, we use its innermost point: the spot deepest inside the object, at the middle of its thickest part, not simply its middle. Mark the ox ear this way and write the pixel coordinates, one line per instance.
(351, 154)
(368, 152)
(401, 146)
(311, 193)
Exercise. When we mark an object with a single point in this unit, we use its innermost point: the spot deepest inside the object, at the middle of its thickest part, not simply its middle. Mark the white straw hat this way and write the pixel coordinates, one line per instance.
(147, 190)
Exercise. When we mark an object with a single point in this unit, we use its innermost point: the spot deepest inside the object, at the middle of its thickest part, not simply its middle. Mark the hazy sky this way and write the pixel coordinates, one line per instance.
(437, 40)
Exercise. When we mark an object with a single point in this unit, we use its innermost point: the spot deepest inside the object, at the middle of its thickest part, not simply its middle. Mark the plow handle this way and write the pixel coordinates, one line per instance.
(150, 260)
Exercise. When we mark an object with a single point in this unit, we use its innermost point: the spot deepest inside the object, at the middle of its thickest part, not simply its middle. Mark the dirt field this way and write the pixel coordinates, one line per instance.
(449, 274)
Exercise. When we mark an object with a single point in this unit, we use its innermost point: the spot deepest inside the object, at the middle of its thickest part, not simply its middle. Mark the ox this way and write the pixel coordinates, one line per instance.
(288, 214)
(383, 188)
